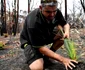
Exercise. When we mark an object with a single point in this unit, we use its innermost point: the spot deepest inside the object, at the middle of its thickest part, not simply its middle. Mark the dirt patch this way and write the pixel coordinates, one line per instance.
(80, 66)
(59, 66)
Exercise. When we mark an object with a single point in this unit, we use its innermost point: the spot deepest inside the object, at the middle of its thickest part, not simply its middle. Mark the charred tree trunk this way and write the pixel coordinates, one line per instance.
(66, 10)
(28, 6)
(14, 19)
(3, 17)
(83, 4)
(17, 24)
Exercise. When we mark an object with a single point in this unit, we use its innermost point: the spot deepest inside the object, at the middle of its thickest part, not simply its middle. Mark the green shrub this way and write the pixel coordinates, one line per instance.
(1, 45)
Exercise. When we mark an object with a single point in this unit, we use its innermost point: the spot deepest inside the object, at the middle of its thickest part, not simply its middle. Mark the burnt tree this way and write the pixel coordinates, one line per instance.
(83, 4)
(3, 17)
(66, 9)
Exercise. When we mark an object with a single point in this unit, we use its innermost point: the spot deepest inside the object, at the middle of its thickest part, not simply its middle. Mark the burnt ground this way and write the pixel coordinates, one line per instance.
(12, 56)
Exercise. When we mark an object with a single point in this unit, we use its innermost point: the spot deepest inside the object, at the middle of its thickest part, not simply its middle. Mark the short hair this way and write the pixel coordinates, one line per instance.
(49, 2)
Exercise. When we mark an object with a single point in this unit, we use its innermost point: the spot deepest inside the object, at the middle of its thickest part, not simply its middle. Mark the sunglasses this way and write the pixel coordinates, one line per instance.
(51, 11)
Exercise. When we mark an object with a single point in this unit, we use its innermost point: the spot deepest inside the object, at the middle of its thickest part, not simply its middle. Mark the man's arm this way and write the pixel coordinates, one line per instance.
(46, 51)
(67, 62)
(66, 29)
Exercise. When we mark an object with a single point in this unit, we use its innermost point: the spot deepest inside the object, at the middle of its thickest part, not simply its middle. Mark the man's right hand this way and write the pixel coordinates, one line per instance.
(69, 63)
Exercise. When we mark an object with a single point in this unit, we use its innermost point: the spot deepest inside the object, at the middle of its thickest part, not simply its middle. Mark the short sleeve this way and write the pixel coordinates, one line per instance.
(36, 37)
(60, 19)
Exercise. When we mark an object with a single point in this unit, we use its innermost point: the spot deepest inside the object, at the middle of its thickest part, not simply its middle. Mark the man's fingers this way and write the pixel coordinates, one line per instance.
(66, 68)
(70, 67)
(72, 64)
(74, 61)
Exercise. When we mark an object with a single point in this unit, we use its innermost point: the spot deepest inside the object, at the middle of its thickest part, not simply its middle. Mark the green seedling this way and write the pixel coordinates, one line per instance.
(69, 46)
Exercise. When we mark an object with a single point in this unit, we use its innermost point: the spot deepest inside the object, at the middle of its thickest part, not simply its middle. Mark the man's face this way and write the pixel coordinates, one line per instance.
(49, 12)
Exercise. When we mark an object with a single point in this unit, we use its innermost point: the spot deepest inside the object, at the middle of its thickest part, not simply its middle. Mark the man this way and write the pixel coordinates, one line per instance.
(40, 29)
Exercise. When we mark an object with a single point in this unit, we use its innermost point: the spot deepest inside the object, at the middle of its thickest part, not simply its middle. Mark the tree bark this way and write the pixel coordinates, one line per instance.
(14, 19)
(28, 6)
(66, 10)
(83, 5)
(3, 17)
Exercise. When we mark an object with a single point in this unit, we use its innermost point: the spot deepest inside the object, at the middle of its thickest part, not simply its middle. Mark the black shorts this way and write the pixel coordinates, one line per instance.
(32, 54)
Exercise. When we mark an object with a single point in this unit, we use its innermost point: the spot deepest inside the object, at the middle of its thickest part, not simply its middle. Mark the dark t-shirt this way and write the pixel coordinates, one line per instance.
(37, 31)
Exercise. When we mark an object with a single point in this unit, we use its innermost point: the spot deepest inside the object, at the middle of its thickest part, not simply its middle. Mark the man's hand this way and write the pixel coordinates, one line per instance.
(66, 30)
(68, 63)
(66, 35)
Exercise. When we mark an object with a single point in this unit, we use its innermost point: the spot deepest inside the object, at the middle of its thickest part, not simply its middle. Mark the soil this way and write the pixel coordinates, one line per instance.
(59, 66)
(80, 66)
(12, 56)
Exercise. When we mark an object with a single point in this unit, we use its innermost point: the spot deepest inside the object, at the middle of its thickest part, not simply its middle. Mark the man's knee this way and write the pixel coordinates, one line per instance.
(37, 64)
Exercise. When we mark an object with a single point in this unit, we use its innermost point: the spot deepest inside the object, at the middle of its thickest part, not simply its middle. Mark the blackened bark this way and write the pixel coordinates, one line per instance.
(3, 17)
(83, 5)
